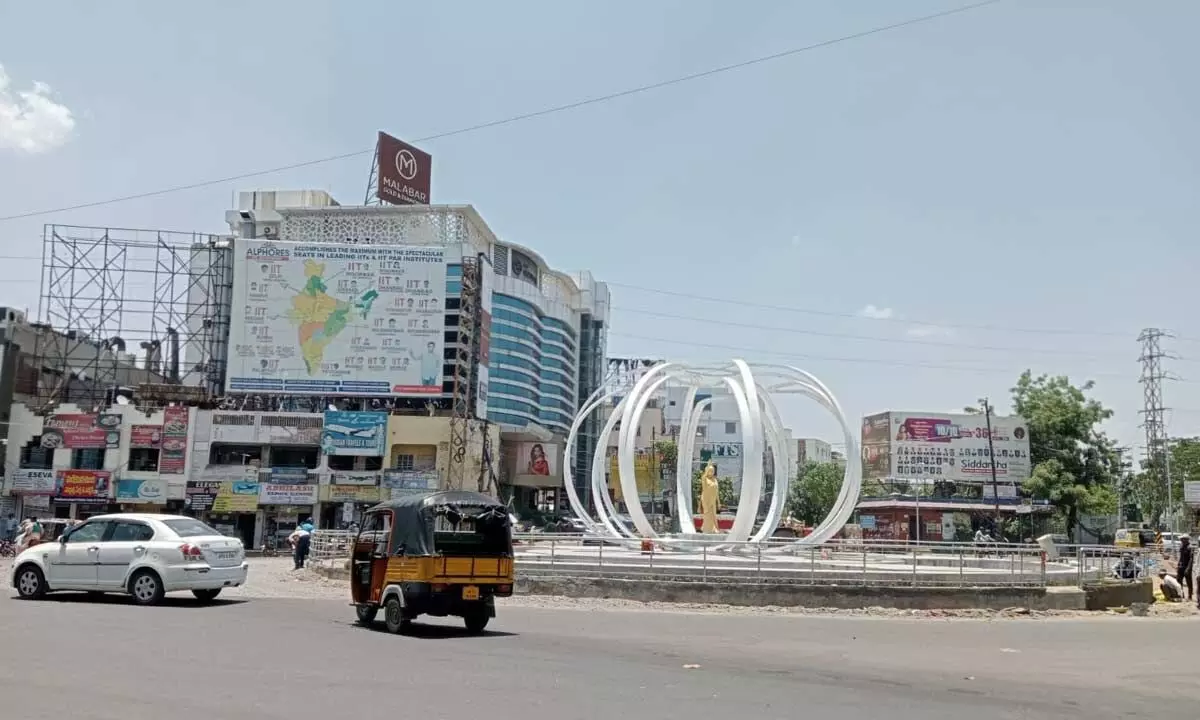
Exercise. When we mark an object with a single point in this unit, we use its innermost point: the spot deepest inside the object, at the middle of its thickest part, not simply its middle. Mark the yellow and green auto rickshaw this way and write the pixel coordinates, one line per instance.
(440, 553)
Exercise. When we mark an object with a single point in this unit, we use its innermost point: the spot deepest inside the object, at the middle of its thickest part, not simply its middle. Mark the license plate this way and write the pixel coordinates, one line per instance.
(470, 592)
(227, 555)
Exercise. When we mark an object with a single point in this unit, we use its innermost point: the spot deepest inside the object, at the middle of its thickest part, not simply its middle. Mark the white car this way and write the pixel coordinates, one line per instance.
(141, 554)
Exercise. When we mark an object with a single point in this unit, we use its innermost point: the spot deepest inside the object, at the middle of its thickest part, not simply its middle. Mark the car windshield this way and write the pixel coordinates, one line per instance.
(189, 527)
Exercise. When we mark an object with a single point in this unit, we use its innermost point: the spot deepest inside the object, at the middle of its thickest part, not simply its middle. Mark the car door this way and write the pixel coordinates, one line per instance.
(126, 543)
(71, 562)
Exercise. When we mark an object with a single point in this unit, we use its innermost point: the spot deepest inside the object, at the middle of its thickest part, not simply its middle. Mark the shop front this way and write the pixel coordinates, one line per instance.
(343, 504)
(80, 494)
(283, 507)
(32, 491)
(229, 506)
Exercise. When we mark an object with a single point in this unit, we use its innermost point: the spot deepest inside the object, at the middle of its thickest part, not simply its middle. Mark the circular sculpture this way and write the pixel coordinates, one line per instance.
(752, 388)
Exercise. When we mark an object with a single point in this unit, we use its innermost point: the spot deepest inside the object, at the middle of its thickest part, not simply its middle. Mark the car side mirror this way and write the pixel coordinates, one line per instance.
(62, 539)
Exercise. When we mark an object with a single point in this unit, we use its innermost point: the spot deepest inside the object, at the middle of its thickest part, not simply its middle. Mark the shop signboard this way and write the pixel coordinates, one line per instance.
(173, 458)
(410, 482)
(351, 493)
(80, 431)
(236, 497)
(145, 436)
(289, 476)
(200, 496)
(82, 486)
(141, 492)
(276, 494)
(1191, 493)
(25, 481)
(354, 478)
(354, 433)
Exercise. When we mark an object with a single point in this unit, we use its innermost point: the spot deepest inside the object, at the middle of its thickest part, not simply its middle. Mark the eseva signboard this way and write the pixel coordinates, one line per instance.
(313, 318)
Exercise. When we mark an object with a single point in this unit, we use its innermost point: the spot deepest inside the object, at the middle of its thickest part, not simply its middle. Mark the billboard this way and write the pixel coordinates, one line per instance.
(404, 172)
(31, 482)
(537, 459)
(141, 492)
(145, 436)
(82, 486)
(172, 460)
(955, 447)
(486, 281)
(82, 431)
(354, 433)
(324, 319)
(876, 449)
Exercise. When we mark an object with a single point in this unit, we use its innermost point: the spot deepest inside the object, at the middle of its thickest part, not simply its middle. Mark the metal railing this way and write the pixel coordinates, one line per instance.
(329, 546)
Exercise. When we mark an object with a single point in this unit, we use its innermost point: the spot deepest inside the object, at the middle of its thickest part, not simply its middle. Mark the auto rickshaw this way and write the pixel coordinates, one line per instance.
(440, 553)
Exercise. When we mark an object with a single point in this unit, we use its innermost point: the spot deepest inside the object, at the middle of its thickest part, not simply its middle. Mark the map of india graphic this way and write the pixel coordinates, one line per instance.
(320, 317)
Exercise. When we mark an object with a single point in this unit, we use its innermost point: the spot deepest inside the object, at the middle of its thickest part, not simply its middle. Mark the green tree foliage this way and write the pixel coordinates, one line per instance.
(815, 491)
(1075, 465)
(1148, 490)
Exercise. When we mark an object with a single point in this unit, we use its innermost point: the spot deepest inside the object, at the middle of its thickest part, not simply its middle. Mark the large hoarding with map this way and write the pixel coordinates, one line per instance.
(328, 319)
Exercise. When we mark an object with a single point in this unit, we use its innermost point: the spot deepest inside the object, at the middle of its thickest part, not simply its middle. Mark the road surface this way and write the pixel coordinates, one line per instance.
(302, 659)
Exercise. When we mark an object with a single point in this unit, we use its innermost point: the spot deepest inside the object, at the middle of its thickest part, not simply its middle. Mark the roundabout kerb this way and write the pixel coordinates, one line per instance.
(753, 389)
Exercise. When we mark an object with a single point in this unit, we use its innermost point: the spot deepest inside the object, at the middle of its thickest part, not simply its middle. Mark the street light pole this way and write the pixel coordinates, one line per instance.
(987, 412)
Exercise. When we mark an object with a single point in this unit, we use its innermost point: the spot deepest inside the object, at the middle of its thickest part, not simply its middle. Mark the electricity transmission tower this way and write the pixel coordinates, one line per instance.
(1153, 413)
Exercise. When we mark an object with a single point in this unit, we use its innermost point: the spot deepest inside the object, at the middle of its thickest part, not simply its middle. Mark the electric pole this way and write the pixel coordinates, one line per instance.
(1153, 413)
(987, 414)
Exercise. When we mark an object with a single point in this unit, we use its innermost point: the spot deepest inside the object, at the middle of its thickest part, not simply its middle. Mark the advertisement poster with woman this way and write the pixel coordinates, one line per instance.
(538, 459)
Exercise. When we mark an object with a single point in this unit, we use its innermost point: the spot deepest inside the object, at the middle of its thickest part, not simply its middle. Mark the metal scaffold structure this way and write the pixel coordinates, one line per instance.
(465, 356)
(108, 293)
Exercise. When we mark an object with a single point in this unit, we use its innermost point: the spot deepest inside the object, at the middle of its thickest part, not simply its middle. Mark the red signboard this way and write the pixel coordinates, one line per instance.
(79, 431)
(145, 436)
(403, 172)
(173, 458)
(83, 486)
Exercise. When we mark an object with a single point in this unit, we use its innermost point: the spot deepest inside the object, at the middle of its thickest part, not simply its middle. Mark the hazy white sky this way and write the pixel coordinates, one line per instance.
(893, 213)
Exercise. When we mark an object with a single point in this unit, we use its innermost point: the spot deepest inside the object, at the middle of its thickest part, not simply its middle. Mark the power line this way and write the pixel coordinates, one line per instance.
(830, 313)
(851, 336)
(523, 116)
(870, 361)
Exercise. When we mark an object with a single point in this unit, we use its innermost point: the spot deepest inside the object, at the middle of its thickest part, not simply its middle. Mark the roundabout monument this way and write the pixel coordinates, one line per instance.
(753, 388)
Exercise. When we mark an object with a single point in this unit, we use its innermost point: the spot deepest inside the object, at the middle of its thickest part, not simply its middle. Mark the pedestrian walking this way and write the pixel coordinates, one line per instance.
(9, 528)
(301, 538)
(1183, 569)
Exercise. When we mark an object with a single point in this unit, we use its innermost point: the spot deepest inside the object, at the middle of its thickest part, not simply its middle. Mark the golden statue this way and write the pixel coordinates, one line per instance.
(709, 496)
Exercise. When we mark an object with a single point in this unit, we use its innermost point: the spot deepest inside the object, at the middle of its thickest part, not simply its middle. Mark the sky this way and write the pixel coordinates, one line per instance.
(915, 216)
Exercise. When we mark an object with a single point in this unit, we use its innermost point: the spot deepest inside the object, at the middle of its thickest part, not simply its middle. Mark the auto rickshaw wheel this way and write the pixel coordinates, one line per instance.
(394, 615)
(476, 619)
(366, 614)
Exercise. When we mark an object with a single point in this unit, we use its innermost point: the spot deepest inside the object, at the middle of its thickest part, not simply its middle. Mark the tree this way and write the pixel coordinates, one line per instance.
(1075, 465)
(815, 491)
(1149, 491)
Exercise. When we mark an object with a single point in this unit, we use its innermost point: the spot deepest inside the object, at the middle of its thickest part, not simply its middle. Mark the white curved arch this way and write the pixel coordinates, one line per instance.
(762, 431)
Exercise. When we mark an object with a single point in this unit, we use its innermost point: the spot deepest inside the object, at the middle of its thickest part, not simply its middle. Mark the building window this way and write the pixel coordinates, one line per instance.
(730, 428)
(87, 459)
(405, 462)
(34, 456)
(143, 459)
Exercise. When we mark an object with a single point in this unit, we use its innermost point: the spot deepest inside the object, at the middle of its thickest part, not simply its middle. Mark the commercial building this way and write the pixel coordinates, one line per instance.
(813, 450)
(542, 339)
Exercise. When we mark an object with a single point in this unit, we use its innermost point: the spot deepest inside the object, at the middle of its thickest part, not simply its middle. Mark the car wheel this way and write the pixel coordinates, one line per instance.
(394, 617)
(207, 595)
(146, 587)
(476, 619)
(31, 583)
(366, 614)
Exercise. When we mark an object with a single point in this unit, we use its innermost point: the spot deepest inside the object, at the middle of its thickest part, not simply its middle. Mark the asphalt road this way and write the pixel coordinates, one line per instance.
(73, 658)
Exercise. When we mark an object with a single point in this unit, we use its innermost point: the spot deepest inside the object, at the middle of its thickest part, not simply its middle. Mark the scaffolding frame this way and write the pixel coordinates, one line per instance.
(105, 293)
